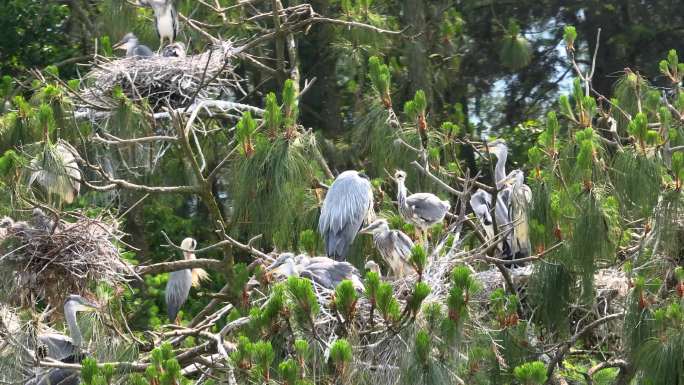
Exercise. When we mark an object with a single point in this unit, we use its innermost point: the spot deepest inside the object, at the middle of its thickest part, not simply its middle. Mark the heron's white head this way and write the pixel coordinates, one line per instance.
(514, 177)
(76, 303)
(400, 176)
(287, 268)
(128, 41)
(188, 244)
(379, 225)
(496, 147)
(371, 265)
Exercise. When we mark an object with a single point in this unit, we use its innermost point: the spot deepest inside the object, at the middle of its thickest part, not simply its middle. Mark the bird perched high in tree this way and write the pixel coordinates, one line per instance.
(347, 205)
(178, 286)
(520, 199)
(423, 210)
(165, 19)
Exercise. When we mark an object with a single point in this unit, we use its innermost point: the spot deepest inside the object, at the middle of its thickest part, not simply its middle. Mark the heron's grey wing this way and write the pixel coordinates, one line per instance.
(143, 51)
(58, 345)
(427, 207)
(60, 377)
(402, 244)
(344, 210)
(174, 21)
(518, 212)
(177, 289)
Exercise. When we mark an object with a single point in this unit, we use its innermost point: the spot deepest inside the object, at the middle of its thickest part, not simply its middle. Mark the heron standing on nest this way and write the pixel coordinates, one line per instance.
(393, 245)
(347, 205)
(165, 19)
(178, 286)
(423, 210)
(133, 48)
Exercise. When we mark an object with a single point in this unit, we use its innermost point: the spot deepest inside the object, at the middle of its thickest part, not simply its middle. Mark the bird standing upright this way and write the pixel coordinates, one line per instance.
(423, 210)
(347, 205)
(393, 245)
(178, 286)
(521, 197)
(165, 20)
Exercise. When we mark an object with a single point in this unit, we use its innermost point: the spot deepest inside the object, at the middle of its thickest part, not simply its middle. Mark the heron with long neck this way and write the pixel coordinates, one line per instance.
(180, 282)
(423, 210)
(62, 348)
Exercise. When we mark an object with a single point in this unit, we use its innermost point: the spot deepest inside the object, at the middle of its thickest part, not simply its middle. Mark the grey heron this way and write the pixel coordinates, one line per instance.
(347, 205)
(323, 270)
(373, 266)
(499, 149)
(41, 221)
(133, 48)
(179, 283)
(520, 199)
(481, 203)
(393, 245)
(176, 49)
(165, 19)
(423, 210)
(68, 348)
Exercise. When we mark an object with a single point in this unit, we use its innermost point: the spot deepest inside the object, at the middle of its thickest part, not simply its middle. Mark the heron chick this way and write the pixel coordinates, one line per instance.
(133, 48)
(423, 210)
(176, 49)
(180, 282)
(393, 245)
(373, 266)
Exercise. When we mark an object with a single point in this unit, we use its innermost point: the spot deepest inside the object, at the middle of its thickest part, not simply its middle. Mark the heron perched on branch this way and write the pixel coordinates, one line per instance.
(393, 245)
(322, 270)
(179, 283)
(423, 210)
(132, 46)
(165, 19)
(520, 199)
(499, 149)
(347, 205)
(67, 349)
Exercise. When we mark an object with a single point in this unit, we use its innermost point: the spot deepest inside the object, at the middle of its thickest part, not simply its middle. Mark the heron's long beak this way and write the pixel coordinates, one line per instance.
(119, 45)
(87, 307)
(367, 230)
(508, 181)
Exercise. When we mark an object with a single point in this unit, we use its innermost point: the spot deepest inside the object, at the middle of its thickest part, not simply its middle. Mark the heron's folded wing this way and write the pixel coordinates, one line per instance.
(177, 290)
(427, 206)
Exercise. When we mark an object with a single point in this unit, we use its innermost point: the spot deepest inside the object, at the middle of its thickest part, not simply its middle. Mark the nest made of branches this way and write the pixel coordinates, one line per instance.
(50, 259)
(162, 81)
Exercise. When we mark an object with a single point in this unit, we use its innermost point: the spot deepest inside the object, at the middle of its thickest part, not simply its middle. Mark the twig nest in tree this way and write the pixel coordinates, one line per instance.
(163, 81)
(52, 262)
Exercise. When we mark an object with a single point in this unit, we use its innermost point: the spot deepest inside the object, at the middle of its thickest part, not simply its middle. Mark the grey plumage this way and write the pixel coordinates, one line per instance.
(421, 209)
(393, 245)
(177, 290)
(165, 19)
(176, 49)
(63, 348)
(322, 270)
(520, 198)
(347, 205)
(41, 221)
(133, 48)
(57, 376)
(179, 283)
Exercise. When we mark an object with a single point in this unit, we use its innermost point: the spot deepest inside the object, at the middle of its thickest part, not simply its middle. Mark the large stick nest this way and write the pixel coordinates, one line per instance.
(163, 81)
(49, 261)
